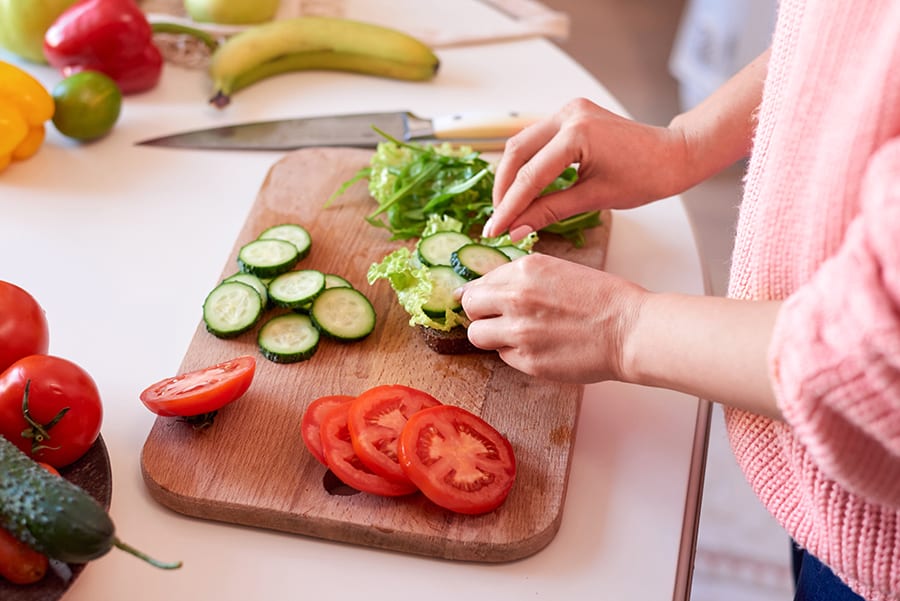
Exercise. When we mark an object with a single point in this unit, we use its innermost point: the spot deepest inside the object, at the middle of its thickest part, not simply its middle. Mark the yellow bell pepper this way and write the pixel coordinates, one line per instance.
(25, 105)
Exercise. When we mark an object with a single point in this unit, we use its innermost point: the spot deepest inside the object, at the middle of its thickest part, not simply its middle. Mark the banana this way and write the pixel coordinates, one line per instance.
(320, 43)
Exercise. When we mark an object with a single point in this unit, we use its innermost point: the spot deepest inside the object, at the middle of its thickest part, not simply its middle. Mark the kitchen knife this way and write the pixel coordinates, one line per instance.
(481, 130)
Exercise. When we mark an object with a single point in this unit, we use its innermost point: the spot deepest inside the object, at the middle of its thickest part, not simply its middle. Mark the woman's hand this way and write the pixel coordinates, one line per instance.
(621, 164)
(563, 321)
(553, 318)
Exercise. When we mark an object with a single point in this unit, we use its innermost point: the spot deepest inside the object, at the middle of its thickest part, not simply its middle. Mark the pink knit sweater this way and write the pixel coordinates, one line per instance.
(819, 226)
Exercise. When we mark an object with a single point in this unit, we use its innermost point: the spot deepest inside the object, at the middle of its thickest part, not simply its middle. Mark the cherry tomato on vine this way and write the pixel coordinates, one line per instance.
(23, 325)
(376, 418)
(202, 392)
(343, 461)
(50, 408)
(457, 460)
(311, 422)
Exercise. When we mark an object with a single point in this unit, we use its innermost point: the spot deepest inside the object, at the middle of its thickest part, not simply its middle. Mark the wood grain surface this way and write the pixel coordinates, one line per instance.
(251, 466)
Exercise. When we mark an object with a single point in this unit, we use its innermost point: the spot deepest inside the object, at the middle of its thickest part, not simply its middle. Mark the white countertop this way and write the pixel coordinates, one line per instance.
(118, 242)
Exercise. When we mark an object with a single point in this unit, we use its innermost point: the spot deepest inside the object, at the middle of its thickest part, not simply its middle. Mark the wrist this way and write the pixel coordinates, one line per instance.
(628, 343)
(681, 157)
(711, 347)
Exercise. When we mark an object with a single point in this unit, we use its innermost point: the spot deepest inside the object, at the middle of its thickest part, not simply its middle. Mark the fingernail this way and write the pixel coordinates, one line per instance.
(517, 233)
(488, 226)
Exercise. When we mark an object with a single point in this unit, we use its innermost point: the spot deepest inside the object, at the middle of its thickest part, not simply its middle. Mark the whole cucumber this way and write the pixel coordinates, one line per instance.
(52, 515)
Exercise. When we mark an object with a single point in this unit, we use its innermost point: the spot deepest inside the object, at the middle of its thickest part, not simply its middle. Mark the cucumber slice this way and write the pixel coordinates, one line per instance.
(444, 281)
(296, 288)
(290, 232)
(333, 280)
(252, 280)
(513, 252)
(474, 260)
(267, 258)
(437, 248)
(231, 308)
(343, 314)
(288, 338)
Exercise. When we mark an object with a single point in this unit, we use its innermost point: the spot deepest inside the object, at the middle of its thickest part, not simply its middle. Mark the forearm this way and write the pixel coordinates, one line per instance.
(711, 347)
(719, 131)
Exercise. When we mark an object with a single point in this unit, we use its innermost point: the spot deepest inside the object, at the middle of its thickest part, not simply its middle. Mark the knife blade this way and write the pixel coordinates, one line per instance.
(482, 130)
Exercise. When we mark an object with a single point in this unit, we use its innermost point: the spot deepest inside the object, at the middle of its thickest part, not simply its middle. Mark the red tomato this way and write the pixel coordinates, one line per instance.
(23, 326)
(19, 563)
(312, 420)
(63, 414)
(376, 418)
(200, 392)
(49, 468)
(457, 459)
(342, 460)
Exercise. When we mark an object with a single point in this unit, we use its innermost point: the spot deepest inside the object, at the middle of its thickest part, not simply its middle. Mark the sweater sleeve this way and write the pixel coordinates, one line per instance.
(835, 351)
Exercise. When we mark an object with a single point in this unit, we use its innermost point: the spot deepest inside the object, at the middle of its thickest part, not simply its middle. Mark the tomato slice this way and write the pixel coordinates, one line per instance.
(376, 419)
(457, 459)
(202, 391)
(343, 461)
(311, 422)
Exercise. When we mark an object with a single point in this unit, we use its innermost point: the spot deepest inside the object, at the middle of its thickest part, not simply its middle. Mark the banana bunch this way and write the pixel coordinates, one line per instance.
(316, 43)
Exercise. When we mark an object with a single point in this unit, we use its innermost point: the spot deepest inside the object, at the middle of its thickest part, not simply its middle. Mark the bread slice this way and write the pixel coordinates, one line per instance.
(454, 342)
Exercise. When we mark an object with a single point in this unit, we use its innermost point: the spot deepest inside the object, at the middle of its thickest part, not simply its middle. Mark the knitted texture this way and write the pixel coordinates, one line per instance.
(819, 227)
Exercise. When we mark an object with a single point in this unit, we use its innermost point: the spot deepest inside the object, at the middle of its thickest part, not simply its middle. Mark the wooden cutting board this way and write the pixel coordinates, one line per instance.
(252, 468)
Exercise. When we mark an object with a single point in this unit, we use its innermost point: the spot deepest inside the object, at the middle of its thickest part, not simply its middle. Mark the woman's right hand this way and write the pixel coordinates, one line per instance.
(621, 164)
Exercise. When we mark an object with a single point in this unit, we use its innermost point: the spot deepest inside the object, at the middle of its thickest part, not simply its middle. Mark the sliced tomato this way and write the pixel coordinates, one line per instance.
(202, 391)
(311, 422)
(457, 459)
(343, 461)
(376, 418)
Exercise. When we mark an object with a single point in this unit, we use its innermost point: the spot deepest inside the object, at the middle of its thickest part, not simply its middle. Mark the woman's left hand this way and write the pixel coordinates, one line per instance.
(553, 318)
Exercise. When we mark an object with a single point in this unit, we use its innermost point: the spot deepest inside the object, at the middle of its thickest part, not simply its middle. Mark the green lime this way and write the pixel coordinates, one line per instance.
(87, 105)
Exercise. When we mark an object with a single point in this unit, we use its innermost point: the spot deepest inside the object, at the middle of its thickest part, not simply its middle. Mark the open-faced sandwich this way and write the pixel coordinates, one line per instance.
(425, 278)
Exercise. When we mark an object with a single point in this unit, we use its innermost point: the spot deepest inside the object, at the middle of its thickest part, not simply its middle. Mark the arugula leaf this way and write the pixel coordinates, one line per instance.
(411, 182)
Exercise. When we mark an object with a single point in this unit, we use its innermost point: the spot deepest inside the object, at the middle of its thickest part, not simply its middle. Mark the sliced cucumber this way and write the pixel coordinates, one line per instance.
(288, 338)
(513, 252)
(343, 314)
(333, 280)
(474, 260)
(436, 248)
(444, 281)
(231, 309)
(296, 288)
(267, 258)
(252, 280)
(290, 232)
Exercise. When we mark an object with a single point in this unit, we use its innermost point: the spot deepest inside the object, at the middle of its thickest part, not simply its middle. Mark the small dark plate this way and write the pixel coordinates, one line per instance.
(92, 473)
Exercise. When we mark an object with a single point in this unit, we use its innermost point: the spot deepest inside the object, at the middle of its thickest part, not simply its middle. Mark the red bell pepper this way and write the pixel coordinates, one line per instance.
(110, 36)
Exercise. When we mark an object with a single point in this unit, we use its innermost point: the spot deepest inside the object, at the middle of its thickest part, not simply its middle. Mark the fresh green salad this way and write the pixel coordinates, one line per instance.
(412, 182)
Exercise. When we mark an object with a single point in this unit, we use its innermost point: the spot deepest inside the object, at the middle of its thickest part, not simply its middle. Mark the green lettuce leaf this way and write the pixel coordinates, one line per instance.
(412, 284)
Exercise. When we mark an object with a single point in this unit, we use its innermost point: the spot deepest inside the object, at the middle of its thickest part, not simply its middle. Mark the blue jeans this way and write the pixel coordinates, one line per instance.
(814, 581)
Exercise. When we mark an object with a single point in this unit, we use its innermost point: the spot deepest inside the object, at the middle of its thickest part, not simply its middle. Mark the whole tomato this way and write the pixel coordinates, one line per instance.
(50, 408)
(23, 325)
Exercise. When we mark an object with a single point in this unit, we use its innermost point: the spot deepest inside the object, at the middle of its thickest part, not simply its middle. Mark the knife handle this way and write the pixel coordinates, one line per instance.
(481, 128)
